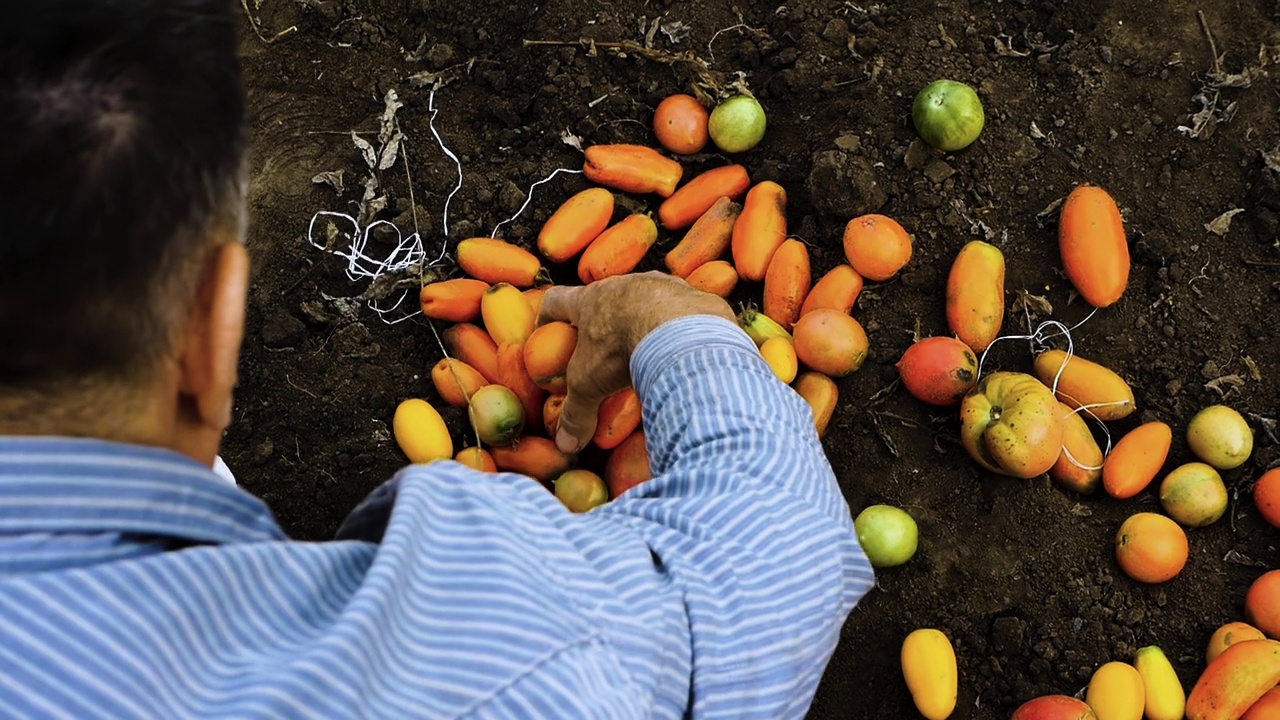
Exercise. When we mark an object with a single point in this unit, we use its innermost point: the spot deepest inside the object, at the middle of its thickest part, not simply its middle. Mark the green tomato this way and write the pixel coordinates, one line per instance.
(948, 115)
(737, 124)
(1219, 436)
(888, 535)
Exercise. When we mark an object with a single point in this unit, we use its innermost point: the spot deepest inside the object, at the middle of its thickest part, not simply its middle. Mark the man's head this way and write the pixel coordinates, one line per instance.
(122, 144)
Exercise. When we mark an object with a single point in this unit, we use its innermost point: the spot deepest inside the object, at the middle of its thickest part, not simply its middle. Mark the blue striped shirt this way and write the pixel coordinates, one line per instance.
(134, 583)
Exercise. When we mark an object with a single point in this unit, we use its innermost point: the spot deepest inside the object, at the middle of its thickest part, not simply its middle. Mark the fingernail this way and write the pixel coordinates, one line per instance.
(567, 443)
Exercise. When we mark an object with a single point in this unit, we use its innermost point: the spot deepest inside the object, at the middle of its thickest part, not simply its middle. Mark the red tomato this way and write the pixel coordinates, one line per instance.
(680, 122)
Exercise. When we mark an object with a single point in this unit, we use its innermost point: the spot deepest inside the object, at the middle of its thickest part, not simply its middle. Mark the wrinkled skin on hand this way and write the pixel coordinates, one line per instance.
(612, 316)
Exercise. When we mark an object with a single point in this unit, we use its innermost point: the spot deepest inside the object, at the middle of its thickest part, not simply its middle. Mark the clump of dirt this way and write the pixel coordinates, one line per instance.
(1119, 93)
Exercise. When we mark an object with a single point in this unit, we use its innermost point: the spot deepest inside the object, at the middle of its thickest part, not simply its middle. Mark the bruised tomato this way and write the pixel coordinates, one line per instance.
(680, 122)
(1011, 424)
(938, 370)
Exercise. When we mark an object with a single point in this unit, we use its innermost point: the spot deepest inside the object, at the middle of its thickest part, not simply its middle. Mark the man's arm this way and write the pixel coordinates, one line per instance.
(744, 519)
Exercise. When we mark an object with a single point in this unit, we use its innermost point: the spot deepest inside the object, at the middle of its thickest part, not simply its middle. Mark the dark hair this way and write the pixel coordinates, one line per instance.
(122, 143)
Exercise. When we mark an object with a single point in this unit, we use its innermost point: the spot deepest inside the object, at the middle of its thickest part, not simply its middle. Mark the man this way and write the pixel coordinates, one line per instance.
(134, 582)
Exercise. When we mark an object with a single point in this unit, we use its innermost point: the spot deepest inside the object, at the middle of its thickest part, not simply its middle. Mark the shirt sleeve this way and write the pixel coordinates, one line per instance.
(744, 517)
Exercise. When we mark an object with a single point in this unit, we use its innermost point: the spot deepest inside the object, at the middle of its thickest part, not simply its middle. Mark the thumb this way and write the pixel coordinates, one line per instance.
(578, 418)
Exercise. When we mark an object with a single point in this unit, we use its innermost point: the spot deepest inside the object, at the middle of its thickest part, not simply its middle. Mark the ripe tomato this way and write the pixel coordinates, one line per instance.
(948, 115)
(680, 122)
(876, 246)
(1194, 495)
(1011, 424)
(1151, 548)
(1228, 635)
(1266, 495)
(938, 370)
(1262, 604)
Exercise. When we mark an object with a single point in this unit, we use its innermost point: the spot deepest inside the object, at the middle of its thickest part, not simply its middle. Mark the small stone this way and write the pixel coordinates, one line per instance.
(844, 185)
(1170, 331)
(314, 312)
(355, 341)
(836, 31)
(937, 171)
(262, 452)
(439, 56)
(1176, 273)
(849, 142)
(282, 331)
(511, 197)
(917, 154)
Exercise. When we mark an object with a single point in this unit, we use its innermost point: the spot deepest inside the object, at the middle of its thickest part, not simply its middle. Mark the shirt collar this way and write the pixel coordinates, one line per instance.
(74, 485)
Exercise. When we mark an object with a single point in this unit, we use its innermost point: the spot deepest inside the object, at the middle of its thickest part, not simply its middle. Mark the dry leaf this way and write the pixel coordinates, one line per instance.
(1221, 224)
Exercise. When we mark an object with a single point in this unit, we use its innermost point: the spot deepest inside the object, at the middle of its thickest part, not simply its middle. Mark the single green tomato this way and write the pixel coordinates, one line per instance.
(737, 124)
(1220, 436)
(888, 535)
(948, 115)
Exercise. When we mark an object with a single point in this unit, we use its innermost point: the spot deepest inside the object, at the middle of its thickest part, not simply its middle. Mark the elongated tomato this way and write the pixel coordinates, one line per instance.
(577, 222)
(456, 300)
(1091, 240)
(716, 277)
(1136, 459)
(1085, 383)
(837, 290)
(547, 353)
(494, 261)
(632, 168)
(456, 381)
(787, 283)
(515, 377)
(688, 203)
(619, 416)
(929, 668)
(534, 456)
(619, 249)
(473, 346)
(706, 241)
(760, 230)
(975, 294)
(507, 314)
(821, 393)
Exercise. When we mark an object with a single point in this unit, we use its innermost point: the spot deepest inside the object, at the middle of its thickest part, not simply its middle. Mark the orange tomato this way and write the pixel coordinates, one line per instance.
(1266, 495)
(1262, 604)
(1228, 635)
(1136, 459)
(680, 122)
(477, 459)
(1267, 707)
(1151, 548)
(831, 342)
(876, 246)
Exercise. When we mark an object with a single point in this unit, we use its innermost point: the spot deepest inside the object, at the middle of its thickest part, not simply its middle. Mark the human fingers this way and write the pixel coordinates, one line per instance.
(561, 303)
(591, 378)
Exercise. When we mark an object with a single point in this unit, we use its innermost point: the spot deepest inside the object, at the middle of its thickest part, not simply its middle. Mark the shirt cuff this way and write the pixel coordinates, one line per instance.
(663, 346)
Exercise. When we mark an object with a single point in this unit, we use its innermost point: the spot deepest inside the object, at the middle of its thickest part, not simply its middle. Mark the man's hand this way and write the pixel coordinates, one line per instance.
(612, 316)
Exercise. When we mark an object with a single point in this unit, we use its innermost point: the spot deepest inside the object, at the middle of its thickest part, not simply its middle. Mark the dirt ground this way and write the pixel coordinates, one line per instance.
(1120, 93)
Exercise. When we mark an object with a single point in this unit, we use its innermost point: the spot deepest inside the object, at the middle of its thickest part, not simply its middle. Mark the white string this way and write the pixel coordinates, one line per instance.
(1038, 337)
(444, 215)
(529, 197)
(407, 253)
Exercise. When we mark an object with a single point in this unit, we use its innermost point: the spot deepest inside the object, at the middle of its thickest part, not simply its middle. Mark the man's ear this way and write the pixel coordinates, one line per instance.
(211, 351)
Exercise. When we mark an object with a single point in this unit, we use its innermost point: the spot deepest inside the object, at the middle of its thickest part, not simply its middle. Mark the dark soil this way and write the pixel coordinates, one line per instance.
(1020, 574)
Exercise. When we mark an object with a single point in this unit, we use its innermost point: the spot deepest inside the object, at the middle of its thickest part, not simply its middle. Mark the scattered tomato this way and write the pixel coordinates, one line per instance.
(680, 123)
(938, 370)
(1262, 604)
(737, 124)
(948, 115)
(888, 535)
(1219, 436)
(1151, 548)
(1054, 707)
(1194, 495)
(1266, 495)
(876, 246)
(1011, 424)
(1228, 635)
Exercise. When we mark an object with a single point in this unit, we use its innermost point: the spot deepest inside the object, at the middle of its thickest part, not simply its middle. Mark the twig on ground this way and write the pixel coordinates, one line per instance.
(257, 27)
